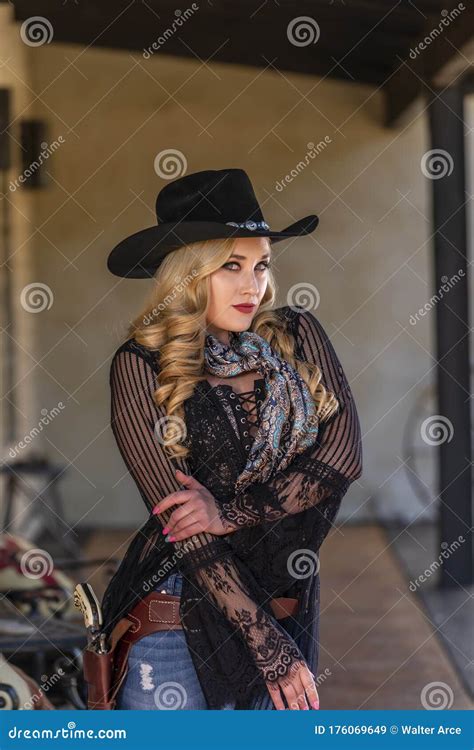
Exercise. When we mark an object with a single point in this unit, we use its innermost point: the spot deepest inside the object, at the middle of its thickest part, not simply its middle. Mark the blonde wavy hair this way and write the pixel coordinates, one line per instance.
(174, 323)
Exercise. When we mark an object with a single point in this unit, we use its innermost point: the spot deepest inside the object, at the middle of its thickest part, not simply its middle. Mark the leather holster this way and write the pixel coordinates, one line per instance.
(105, 673)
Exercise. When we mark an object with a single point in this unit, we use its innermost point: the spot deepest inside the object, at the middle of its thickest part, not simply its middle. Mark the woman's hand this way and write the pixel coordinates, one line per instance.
(298, 688)
(198, 511)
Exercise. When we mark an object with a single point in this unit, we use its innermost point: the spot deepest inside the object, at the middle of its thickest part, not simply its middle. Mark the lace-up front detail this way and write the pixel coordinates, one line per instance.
(246, 408)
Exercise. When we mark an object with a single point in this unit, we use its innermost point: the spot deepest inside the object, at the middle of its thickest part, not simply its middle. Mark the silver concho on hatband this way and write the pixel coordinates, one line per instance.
(252, 225)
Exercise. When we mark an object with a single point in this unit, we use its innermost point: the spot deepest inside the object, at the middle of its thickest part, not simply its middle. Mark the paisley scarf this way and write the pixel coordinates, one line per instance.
(288, 421)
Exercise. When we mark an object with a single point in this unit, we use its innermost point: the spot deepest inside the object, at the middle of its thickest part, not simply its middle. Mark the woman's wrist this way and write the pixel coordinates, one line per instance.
(228, 526)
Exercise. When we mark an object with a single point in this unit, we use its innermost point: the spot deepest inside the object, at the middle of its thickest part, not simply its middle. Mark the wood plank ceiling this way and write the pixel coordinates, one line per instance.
(370, 41)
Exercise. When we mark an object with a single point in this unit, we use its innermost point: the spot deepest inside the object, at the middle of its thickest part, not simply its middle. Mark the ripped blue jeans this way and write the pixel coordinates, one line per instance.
(161, 674)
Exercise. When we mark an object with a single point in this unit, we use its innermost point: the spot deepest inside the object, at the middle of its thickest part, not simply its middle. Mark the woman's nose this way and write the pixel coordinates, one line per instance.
(250, 285)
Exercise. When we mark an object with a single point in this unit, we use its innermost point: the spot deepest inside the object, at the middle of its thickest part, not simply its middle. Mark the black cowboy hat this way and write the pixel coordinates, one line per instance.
(213, 204)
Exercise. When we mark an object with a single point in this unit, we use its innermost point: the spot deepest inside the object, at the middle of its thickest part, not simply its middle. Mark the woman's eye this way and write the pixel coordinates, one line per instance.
(263, 265)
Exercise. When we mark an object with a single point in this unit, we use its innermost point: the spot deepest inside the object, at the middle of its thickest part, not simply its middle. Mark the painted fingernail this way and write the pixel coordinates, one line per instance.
(315, 704)
(165, 530)
(172, 538)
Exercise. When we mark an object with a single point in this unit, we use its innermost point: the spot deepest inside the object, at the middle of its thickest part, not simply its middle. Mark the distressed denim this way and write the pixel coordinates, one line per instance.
(161, 674)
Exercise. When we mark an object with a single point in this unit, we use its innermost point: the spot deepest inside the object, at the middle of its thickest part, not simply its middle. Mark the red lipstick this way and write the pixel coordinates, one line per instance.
(244, 308)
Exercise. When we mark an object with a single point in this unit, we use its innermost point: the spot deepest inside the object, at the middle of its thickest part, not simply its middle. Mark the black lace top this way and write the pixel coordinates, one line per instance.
(228, 581)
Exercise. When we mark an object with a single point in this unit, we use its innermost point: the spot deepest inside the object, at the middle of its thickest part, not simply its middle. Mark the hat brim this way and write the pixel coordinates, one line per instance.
(139, 255)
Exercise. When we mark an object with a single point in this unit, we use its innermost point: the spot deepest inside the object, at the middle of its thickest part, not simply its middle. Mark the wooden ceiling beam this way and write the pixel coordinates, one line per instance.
(417, 74)
(368, 41)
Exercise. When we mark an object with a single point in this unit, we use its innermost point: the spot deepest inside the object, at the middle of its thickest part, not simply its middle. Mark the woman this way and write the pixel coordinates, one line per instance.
(238, 426)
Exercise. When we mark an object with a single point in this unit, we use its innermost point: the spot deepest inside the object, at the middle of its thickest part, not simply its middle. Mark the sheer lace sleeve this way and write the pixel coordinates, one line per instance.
(206, 559)
(324, 470)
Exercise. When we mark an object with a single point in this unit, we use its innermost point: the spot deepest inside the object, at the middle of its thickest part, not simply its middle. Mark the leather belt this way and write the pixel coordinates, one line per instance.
(156, 611)
(104, 673)
(160, 611)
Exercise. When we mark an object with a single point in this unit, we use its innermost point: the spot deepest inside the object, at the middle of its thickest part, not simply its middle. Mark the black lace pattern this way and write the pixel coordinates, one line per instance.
(236, 643)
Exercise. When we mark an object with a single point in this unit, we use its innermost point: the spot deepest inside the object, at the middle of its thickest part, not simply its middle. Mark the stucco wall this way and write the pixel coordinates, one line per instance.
(16, 222)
